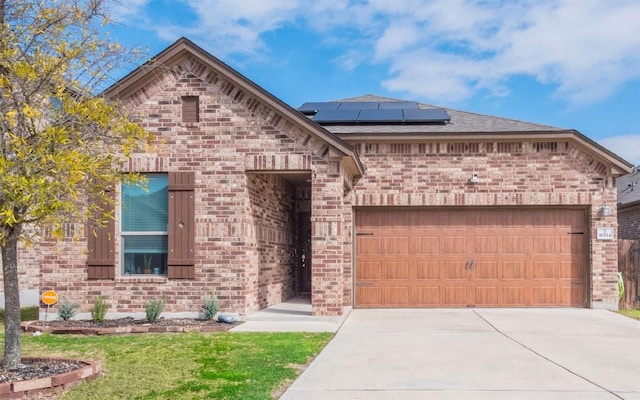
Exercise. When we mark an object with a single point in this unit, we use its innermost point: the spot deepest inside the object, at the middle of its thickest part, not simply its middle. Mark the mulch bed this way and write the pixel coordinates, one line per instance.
(38, 368)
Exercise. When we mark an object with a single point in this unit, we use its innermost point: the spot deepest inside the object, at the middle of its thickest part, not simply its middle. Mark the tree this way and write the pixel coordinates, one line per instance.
(60, 143)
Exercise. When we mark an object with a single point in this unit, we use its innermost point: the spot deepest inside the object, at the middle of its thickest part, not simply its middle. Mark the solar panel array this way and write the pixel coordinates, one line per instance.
(390, 112)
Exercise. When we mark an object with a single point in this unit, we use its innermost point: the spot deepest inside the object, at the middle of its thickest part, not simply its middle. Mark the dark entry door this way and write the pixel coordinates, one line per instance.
(304, 253)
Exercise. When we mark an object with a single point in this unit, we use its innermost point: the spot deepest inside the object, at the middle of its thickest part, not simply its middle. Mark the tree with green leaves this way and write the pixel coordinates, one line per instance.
(61, 143)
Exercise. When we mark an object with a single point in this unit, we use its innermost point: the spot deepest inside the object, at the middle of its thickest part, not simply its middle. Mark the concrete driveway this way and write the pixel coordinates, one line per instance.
(477, 354)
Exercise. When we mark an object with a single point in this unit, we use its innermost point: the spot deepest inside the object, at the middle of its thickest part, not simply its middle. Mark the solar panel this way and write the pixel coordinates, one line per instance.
(397, 104)
(380, 116)
(334, 116)
(358, 105)
(312, 107)
(426, 115)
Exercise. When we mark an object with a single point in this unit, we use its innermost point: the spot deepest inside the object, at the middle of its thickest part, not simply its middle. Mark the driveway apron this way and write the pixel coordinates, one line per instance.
(477, 354)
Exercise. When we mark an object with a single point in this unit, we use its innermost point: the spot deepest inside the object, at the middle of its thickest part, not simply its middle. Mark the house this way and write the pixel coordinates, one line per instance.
(629, 205)
(365, 202)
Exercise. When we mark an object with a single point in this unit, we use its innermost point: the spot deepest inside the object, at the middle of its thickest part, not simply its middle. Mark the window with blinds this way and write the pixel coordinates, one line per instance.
(190, 109)
(145, 220)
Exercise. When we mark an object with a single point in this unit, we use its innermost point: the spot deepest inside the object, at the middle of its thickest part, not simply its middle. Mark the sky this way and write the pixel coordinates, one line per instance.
(571, 64)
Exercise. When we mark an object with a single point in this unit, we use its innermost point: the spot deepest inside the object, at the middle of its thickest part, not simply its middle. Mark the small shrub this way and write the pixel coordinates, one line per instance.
(153, 309)
(210, 307)
(26, 314)
(99, 310)
(30, 313)
(67, 310)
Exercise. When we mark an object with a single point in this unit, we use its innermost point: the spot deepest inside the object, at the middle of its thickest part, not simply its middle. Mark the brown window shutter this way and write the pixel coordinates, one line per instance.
(190, 109)
(181, 263)
(101, 263)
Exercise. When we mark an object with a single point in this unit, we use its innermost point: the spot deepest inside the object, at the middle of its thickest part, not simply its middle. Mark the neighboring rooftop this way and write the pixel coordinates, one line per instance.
(629, 188)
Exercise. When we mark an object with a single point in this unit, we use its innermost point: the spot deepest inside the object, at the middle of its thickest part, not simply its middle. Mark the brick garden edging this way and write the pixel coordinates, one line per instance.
(30, 326)
(64, 381)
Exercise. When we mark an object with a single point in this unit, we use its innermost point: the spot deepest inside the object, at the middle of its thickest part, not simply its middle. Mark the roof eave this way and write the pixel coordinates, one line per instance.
(619, 166)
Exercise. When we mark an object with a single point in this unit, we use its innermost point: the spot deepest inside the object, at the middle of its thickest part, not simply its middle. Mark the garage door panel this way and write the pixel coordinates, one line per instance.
(544, 270)
(454, 270)
(516, 219)
(514, 295)
(432, 220)
(486, 219)
(456, 295)
(459, 220)
(513, 244)
(545, 296)
(428, 270)
(397, 296)
(400, 221)
(513, 270)
(428, 296)
(486, 296)
(460, 258)
(369, 296)
(397, 270)
(544, 244)
(454, 245)
(486, 245)
(368, 245)
(396, 245)
(428, 245)
(486, 270)
(369, 270)
(577, 270)
(545, 220)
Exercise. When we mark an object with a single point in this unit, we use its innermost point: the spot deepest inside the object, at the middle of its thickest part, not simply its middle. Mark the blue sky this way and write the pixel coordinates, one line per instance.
(566, 63)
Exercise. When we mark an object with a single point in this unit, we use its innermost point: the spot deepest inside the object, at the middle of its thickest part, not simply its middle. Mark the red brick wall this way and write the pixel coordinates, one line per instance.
(629, 222)
(272, 214)
(237, 137)
(510, 174)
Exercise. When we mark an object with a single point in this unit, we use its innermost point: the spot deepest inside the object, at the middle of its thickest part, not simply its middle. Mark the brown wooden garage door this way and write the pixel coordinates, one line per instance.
(464, 258)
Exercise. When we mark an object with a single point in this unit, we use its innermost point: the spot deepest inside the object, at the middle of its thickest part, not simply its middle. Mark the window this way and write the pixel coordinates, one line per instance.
(145, 219)
(190, 109)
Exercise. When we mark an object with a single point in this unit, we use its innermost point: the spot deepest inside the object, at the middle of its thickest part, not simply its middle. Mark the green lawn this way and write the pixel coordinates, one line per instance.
(184, 366)
(631, 313)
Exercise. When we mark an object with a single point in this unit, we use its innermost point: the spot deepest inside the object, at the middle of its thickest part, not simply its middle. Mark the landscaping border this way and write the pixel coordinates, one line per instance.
(30, 387)
(30, 326)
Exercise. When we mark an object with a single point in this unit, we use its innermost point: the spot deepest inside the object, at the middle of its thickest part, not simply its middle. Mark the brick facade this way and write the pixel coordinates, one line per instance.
(245, 218)
(512, 174)
(629, 222)
(259, 166)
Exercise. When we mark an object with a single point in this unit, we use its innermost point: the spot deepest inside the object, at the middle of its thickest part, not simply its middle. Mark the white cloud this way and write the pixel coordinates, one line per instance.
(127, 10)
(586, 48)
(626, 146)
(444, 49)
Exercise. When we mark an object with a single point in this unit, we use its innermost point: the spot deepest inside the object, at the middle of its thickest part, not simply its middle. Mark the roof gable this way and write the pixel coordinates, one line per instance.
(153, 74)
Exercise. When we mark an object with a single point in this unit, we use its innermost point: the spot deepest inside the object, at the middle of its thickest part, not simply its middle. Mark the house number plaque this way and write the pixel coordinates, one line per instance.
(604, 233)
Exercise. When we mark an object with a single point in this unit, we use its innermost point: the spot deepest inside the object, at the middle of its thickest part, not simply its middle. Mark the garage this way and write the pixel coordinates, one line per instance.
(484, 257)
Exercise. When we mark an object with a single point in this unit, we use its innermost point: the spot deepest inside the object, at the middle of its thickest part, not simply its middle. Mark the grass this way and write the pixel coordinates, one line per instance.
(184, 366)
(631, 313)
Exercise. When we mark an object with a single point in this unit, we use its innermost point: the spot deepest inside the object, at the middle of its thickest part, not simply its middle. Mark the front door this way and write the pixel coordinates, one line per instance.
(304, 253)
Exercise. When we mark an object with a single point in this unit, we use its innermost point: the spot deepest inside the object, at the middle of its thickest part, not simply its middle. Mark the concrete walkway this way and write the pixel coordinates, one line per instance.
(477, 354)
(294, 315)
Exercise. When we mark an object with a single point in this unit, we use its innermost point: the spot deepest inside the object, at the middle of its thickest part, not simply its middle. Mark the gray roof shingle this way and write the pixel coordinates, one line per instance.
(461, 121)
(629, 188)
